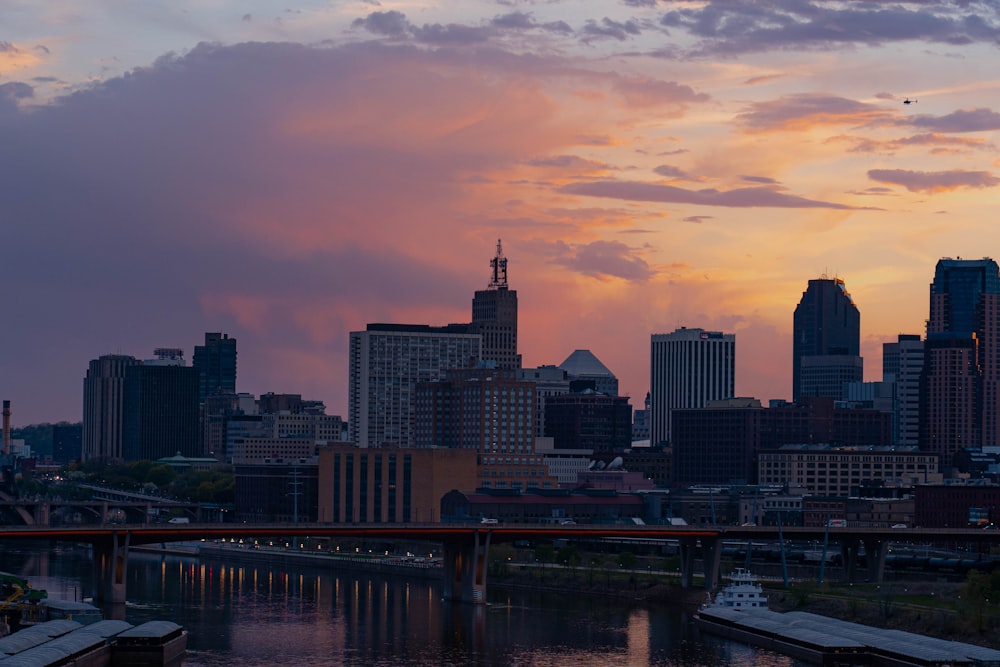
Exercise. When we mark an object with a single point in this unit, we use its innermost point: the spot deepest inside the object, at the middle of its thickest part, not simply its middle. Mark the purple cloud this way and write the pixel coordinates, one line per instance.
(934, 181)
(804, 111)
(389, 24)
(667, 194)
(604, 259)
(608, 28)
(671, 172)
(973, 120)
(764, 180)
(733, 28)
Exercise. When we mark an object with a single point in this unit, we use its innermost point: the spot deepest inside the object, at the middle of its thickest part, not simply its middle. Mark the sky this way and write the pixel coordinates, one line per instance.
(287, 173)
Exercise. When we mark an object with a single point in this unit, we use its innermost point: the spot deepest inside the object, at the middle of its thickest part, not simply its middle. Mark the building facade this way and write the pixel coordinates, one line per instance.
(826, 327)
(589, 420)
(548, 381)
(277, 492)
(494, 316)
(103, 407)
(387, 361)
(161, 413)
(67, 442)
(689, 368)
(823, 469)
(216, 364)
(716, 444)
(902, 364)
(390, 485)
(491, 412)
(960, 383)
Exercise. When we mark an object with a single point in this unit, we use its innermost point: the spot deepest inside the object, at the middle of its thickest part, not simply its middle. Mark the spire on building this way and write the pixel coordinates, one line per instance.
(498, 278)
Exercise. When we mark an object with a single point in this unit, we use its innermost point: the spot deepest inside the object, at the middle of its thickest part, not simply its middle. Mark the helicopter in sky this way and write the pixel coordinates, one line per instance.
(909, 101)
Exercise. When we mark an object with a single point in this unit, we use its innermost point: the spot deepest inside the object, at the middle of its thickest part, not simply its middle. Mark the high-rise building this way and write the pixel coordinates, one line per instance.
(902, 363)
(826, 344)
(161, 408)
(216, 364)
(689, 367)
(103, 407)
(494, 316)
(960, 384)
(386, 363)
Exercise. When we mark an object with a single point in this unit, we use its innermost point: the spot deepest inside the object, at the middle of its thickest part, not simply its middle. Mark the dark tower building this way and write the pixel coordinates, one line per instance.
(827, 340)
(161, 409)
(960, 383)
(216, 364)
(103, 407)
(494, 317)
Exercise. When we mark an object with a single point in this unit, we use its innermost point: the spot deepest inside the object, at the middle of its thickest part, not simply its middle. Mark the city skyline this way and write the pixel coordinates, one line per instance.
(289, 176)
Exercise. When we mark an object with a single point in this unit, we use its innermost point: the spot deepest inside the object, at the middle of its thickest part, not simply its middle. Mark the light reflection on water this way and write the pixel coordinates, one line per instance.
(254, 615)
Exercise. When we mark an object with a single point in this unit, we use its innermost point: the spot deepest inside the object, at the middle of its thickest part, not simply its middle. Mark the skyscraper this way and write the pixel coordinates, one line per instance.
(103, 407)
(216, 364)
(161, 408)
(826, 329)
(960, 384)
(494, 316)
(902, 363)
(689, 367)
(386, 363)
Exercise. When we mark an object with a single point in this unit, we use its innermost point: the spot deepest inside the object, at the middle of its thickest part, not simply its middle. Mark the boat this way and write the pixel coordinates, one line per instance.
(743, 592)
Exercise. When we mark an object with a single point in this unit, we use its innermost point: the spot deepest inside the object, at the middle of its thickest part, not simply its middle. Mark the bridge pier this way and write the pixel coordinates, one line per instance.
(875, 551)
(849, 551)
(43, 513)
(711, 560)
(465, 568)
(110, 567)
(711, 554)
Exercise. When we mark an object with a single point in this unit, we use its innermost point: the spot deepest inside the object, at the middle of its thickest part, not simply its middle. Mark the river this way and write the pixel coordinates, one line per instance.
(249, 614)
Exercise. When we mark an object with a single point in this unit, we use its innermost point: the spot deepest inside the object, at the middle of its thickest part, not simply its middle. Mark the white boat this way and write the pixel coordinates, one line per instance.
(743, 592)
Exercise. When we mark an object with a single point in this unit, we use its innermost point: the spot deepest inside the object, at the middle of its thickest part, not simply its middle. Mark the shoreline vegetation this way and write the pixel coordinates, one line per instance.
(967, 611)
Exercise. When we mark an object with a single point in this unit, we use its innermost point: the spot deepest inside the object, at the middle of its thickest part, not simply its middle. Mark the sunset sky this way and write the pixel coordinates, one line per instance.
(289, 172)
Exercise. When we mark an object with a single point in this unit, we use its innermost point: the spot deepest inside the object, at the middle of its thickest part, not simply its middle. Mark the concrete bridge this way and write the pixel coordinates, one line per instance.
(104, 506)
(466, 546)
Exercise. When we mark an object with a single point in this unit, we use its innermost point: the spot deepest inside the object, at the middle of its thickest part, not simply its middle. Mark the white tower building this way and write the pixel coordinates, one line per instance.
(689, 367)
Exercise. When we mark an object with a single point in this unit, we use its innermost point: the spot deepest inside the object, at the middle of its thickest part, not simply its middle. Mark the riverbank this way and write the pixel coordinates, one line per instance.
(931, 608)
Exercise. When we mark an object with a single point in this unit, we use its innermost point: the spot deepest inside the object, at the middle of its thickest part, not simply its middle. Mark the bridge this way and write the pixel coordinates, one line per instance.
(104, 505)
(466, 546)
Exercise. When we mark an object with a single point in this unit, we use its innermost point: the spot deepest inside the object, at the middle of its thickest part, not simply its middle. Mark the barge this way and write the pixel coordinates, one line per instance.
(827, 641)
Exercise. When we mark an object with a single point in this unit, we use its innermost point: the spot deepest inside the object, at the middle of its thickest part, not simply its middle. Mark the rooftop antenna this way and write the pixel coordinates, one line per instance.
(498, 277)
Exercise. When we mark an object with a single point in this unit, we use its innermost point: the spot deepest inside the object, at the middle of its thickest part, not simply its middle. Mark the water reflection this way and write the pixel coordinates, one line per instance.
(255, 614)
